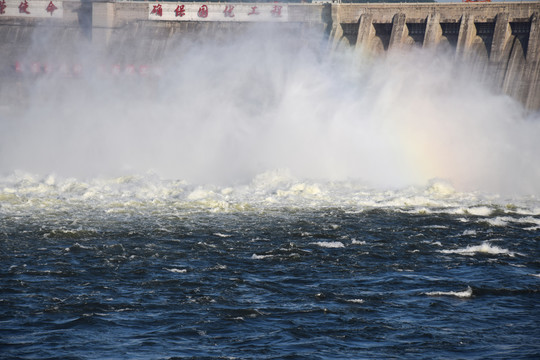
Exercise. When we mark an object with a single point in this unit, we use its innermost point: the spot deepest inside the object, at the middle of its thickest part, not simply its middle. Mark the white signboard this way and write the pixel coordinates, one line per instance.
(217, 12)
(32, 8)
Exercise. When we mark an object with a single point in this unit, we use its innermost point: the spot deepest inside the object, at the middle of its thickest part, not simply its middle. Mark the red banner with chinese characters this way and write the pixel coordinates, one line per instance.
(240, 12)
(31, 8)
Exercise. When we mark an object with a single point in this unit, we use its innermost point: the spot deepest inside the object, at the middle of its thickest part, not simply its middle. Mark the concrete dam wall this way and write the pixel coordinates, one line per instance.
(500, 40)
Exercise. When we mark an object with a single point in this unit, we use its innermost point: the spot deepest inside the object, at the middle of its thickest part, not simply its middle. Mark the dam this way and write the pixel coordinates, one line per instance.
(500, 40)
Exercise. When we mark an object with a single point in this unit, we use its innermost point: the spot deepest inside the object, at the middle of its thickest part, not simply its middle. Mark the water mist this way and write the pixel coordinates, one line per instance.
(223, 112)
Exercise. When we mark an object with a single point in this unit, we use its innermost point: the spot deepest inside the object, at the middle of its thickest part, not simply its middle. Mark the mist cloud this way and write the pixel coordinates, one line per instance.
(225, 111)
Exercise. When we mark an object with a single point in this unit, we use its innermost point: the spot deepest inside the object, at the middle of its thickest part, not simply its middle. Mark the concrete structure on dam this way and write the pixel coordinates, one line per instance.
(501, 40)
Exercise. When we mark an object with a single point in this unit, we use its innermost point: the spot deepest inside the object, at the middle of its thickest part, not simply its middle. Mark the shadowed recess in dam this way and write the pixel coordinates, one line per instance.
(224, 111)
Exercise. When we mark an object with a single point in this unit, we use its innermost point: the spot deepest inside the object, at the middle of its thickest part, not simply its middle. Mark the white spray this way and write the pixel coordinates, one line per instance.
(225, 112)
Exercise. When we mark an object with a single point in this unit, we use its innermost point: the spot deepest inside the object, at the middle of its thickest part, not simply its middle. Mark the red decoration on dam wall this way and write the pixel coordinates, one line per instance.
(276, 11)
(50, 8)
(27, 8)
(203, 11)
(36, 68)
(180, 10)
(158, 10)
(218, 12)
(228, 12)
(23, 7)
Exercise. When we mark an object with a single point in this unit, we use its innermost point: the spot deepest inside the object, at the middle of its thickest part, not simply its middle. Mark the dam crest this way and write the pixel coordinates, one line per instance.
(500, 40)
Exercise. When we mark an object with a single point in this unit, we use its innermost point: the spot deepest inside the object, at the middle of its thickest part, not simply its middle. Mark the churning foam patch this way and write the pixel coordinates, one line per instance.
(484, 248)
(126, 194)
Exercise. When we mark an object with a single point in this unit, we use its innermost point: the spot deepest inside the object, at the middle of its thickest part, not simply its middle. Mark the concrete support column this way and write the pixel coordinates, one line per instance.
(103, 14)
(497, 61)
(398, 30)
(533, 63)
(337, 31)
(433, 30)
(500, 36)
(366, 32)
(467, 32)
(533, 48)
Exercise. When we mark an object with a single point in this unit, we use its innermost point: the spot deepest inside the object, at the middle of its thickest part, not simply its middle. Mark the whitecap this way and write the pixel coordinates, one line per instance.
(499, 221)
(484, 248)
(258, 257)
(440, 187)
(200, 194)
(479, 211)
(222, 235)
(460, 294)
(178, 271)
(527, 220)
(76, 247)
(330, 244)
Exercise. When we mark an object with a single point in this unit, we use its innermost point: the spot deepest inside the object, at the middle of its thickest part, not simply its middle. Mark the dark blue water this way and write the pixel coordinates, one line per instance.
(271, 266)
(80, 282)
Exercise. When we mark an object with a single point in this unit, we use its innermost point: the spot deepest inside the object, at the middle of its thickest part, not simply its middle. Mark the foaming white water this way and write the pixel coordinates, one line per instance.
(330, 244)
(221, 114)
(178, 271)
(259, 257)
(461, 294)
(21, 192)
(484, 248)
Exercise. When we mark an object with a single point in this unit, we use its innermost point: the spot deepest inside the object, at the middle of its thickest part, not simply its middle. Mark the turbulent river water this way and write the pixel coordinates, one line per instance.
(135, 267)
(257, 199)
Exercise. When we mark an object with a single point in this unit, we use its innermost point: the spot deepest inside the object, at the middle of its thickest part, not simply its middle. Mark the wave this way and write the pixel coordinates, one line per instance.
(178, 271)
(484, 248)
(484, 291)
(330, 244)
(460, 294)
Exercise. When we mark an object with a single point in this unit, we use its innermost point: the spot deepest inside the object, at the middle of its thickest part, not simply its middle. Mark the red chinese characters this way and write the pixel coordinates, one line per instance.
(23, 7)
(203, 12)
(51, 8)
(253, 11)
(180, 10)
(3, 7)
(157, 10)
(228, 12)
(276, 11)
(18, 67)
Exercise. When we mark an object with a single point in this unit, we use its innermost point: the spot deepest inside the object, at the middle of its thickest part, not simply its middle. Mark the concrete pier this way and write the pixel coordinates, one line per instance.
(503, 37)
